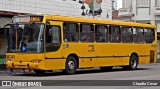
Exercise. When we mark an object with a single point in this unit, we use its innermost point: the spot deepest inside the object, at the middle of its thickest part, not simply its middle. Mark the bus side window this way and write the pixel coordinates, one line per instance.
(115, 34)
(71, 32)
(101, 33)
(53, 39)
(127, 35)
(149, 36)
(87, 33)
(138, 35)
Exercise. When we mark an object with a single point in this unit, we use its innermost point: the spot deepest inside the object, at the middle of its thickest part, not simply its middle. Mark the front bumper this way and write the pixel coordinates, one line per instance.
(25, 65)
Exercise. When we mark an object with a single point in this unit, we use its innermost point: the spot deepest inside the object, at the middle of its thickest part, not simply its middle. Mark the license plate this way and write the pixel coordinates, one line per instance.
(21, 66)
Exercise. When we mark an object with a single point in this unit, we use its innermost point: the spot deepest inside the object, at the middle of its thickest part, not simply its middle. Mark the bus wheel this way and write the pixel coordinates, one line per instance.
(133, 63)
(71, 65)
(106, 68)
(40, 72)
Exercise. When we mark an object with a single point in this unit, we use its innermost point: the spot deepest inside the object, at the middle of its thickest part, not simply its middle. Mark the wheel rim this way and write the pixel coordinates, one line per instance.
(71, 65)
(133, 62)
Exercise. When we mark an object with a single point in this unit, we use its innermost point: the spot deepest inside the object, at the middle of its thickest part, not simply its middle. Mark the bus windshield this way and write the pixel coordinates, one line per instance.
(26, 38)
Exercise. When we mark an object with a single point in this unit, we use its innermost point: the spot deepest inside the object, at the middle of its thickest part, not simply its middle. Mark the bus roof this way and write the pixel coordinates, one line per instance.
(91, 20)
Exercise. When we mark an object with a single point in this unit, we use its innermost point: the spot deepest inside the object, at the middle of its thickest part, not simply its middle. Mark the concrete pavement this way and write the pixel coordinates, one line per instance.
(144, 72)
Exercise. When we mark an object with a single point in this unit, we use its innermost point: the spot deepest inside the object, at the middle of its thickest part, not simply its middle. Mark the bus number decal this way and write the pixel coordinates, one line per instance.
(10, 56)
(91, 48)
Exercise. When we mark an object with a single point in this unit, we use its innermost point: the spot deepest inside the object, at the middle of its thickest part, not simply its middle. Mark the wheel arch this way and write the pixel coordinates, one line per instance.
(76, 57)
(134, 53)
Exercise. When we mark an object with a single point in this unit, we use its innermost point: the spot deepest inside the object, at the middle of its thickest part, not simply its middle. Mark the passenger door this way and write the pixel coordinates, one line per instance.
(53, 55)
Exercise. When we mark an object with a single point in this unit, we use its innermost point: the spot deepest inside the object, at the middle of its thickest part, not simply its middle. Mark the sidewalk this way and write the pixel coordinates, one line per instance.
(8, 72)
(3, 67)
(158, 60)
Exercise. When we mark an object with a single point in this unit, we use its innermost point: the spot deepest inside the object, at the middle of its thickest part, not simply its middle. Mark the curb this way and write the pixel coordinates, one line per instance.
(158, 60)
(3, 67)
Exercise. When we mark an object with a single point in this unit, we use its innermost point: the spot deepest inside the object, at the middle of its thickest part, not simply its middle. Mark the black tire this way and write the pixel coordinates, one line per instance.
(71, 65)
(106, 68)
(40, 72)
(133, 63)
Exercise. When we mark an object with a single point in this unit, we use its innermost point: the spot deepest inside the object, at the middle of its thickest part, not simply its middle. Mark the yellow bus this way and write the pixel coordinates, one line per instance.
(51, 42)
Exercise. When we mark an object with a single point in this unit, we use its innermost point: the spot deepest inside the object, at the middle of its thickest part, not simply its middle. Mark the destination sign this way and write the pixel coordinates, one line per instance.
(27, 19)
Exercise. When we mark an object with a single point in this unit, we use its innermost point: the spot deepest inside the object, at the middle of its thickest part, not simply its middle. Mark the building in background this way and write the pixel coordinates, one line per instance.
(142, 11)
(59, 7)
(126, 12)
(115, 11)
(115, 15)
(114, 5)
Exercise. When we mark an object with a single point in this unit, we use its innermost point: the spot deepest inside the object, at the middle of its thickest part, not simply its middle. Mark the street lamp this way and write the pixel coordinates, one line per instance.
(83, 7)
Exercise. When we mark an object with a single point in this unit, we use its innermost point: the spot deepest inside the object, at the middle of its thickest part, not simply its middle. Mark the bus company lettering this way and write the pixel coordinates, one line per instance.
(35, 19)
(10, 56)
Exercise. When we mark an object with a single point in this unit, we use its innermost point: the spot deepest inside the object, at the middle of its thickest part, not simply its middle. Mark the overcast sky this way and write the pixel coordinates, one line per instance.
(119, 4)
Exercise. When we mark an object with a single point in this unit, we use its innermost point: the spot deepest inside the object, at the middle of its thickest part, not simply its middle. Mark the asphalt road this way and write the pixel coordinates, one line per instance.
(143, 73)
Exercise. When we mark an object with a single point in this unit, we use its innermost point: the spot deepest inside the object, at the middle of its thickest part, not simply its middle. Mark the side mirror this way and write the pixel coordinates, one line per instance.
(6, 25)
(48, 23)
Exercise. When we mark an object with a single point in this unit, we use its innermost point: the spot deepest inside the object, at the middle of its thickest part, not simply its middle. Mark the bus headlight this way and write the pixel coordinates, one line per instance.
(9, 60)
